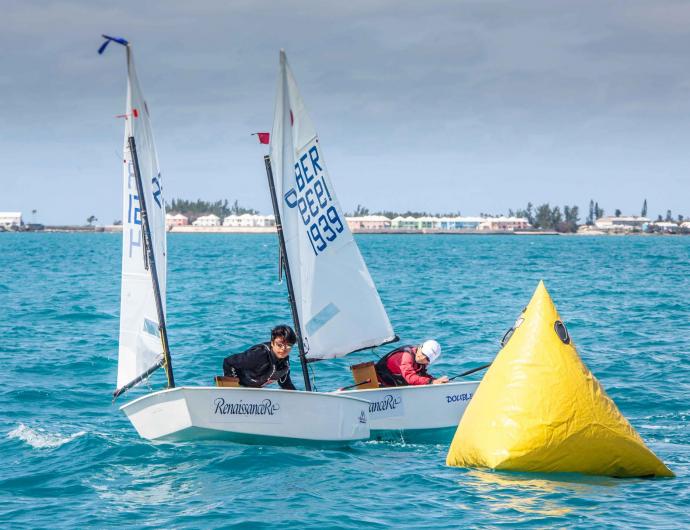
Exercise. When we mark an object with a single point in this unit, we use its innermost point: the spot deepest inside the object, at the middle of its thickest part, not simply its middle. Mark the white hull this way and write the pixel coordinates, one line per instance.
(424, 412)
(248, 415)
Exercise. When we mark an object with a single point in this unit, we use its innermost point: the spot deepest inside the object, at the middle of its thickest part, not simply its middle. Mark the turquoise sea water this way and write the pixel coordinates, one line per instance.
(69, 457)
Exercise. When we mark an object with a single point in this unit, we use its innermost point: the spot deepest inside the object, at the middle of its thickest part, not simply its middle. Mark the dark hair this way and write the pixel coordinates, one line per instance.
(285, 333)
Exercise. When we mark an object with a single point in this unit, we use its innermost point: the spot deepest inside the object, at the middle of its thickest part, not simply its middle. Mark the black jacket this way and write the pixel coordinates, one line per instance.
(258, 366)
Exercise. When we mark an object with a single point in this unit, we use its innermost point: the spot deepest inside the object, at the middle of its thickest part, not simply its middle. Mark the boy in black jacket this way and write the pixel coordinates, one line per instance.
(264, 363)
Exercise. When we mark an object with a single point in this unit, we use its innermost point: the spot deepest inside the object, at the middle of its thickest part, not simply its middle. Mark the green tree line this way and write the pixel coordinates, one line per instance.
(546, 217)
(195, 209)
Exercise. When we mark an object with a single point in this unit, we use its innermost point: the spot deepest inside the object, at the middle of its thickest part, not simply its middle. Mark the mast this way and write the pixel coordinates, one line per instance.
(150, 262)
(288, 276)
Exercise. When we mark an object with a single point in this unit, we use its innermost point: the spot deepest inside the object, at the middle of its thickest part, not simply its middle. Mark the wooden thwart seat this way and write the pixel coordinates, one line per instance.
(365, 375)
(222, 380)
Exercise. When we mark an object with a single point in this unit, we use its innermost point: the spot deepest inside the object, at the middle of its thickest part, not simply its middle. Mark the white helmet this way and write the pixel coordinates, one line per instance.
(432, 350)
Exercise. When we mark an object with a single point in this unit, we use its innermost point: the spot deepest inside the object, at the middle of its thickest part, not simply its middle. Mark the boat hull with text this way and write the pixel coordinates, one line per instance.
(417, 413)
(249, 415)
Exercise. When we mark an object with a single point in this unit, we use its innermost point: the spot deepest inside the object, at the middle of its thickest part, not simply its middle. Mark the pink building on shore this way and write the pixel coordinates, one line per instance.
(176, 220)
(368, 222)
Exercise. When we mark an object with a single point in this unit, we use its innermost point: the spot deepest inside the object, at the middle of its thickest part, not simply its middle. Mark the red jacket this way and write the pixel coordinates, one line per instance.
(401, 362)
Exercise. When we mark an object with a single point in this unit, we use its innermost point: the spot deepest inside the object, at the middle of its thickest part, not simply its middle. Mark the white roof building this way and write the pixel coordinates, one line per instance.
(207, 220)
(266, 220)
(459, 223)
(231, 220)
(621, 224)
(408, 222)
(9, 219)
(249, 220)
(428, 222)
(504, 223)
(666, 226)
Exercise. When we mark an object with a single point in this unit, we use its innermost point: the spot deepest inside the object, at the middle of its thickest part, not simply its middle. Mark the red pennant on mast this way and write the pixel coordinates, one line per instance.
(135, 113)
(264, 137)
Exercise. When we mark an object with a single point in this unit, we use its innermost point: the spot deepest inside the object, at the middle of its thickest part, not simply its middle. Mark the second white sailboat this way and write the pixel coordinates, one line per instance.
(336, 307)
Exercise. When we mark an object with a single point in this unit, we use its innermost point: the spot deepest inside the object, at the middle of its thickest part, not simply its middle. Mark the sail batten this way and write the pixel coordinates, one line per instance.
(339, 308)
(140, 347)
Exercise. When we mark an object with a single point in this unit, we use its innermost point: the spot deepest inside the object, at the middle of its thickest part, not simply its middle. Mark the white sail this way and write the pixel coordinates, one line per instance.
(337, 302)
(140, 342)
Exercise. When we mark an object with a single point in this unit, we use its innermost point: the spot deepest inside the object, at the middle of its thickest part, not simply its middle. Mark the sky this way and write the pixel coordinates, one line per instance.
(439, 106)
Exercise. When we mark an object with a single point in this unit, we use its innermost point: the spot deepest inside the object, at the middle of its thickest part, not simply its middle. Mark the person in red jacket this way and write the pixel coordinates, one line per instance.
(407, 365)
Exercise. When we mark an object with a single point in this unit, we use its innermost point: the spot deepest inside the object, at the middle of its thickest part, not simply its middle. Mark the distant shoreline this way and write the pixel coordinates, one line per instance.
(384, 231)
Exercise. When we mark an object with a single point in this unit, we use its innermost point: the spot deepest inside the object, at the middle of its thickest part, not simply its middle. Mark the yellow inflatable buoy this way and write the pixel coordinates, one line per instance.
(539, 408)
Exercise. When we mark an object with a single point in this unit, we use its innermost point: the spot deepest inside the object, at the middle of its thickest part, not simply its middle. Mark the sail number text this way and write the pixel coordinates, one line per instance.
(134, 207)
(133, 210)
(313, 201)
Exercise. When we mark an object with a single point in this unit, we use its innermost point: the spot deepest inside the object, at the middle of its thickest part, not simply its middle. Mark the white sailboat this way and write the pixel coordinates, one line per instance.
(251, 415)
(417, 413)
(336, 307)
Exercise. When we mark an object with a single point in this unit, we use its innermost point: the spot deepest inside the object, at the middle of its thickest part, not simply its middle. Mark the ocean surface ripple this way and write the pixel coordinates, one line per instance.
(70, 458)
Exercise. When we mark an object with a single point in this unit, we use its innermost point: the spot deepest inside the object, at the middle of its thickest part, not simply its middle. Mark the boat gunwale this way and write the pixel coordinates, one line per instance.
(389, 388)
(234, 389)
